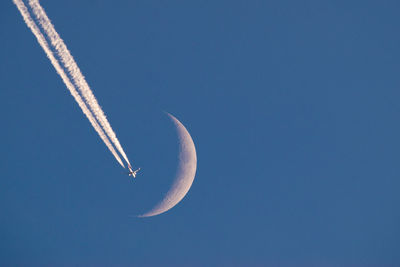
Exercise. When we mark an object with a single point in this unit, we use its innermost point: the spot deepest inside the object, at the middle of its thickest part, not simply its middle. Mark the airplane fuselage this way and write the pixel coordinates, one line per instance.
(132, 172)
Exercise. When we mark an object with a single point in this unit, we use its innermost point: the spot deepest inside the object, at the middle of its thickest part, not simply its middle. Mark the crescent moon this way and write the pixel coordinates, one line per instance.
(185, 174)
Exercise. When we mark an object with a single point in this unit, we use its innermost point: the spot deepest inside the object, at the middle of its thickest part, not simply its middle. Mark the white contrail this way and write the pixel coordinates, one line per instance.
(76, 76)
(43, 43)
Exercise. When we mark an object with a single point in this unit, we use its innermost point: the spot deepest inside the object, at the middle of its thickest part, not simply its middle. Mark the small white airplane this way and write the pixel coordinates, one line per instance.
(132, 172)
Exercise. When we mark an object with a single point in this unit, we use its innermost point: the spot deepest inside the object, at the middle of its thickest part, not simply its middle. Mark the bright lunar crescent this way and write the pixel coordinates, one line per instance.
(185, 172)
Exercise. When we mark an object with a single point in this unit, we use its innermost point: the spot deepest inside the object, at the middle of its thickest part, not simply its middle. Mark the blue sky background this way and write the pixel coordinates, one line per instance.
(293, 108)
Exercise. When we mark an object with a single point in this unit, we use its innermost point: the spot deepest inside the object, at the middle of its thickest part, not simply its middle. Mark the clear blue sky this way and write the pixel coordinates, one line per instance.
(293, 107)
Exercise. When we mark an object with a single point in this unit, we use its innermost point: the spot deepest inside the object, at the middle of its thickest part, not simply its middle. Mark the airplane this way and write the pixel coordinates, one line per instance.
(132, 172)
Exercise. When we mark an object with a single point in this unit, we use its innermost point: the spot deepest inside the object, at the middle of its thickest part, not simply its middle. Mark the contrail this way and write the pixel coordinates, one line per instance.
(43, 43)
(76, 76)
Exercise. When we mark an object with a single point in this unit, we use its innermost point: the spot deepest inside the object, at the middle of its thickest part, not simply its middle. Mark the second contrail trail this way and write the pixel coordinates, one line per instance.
(44, 44)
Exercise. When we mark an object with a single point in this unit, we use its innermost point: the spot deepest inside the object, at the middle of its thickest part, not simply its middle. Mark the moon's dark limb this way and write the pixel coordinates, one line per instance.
(185, 173)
